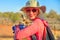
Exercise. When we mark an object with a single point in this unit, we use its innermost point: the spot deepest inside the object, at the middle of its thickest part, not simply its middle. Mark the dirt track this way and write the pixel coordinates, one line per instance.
(6, 30)
(6, 39)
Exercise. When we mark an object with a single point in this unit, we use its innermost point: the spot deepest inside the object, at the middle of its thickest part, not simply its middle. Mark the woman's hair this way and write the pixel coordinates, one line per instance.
(40, 14)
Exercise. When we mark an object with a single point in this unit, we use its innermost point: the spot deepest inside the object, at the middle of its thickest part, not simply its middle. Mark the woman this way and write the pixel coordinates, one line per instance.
(37, 27)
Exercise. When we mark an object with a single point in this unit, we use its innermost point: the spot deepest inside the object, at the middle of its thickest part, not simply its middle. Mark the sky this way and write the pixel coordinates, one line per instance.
(16, 5)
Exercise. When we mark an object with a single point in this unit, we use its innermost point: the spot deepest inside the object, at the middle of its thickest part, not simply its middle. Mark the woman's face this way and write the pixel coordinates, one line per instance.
(32, 12)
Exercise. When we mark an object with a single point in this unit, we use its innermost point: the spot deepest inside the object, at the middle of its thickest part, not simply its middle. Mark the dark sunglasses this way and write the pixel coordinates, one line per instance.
(33, 10)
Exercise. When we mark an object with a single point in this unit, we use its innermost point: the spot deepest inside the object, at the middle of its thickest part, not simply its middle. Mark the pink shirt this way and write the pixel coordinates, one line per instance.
(37, 27)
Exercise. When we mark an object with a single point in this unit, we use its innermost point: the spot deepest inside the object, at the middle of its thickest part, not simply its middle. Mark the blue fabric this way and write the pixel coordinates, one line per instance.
(14, 27)
(21, 26)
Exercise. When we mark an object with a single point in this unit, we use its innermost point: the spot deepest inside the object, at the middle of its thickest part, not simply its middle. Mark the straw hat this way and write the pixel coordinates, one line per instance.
(34, 4)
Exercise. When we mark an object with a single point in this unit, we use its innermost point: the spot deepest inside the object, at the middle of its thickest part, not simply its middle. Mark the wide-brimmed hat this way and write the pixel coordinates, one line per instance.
(34, 4)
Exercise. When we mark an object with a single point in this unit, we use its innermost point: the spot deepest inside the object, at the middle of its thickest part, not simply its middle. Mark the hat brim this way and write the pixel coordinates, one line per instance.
(42, 8)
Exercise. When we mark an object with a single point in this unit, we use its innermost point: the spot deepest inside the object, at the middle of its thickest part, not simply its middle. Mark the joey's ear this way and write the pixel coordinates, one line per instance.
(43, 8)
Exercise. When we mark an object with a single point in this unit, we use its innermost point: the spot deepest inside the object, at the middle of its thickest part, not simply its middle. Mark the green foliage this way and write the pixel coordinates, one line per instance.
(52, 14)
(5, 14)
(58, 17)
(0, 14)
(17, 15)
(14, 17)
(45, 15)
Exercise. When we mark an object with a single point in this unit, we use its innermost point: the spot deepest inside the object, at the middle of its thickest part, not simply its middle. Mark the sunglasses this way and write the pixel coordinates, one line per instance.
(31, 9)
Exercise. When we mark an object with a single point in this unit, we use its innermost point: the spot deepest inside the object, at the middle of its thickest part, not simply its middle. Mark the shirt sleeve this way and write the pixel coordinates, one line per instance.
(30, 30)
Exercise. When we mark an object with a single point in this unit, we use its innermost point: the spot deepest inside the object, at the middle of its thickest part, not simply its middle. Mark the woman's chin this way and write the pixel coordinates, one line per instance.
(32, 18)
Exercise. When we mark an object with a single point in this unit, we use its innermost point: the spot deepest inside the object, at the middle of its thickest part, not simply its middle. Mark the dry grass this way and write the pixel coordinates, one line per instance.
(6, 30)
(6, 39)
(56, 33)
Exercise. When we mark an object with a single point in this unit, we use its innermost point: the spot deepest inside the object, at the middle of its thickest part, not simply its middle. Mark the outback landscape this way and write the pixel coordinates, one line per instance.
(8, 19)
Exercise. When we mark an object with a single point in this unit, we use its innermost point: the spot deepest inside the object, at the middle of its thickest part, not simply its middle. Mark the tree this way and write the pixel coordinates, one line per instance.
(0, 14)
(6, 14)
(45, 15)
(52, 14)
(14, 17)
(58, 17)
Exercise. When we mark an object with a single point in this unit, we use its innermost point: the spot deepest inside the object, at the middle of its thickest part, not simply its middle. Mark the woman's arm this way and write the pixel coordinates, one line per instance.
(30, 30)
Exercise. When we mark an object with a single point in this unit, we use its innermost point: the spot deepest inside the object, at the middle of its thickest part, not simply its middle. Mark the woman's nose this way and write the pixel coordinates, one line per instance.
(31, 12)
